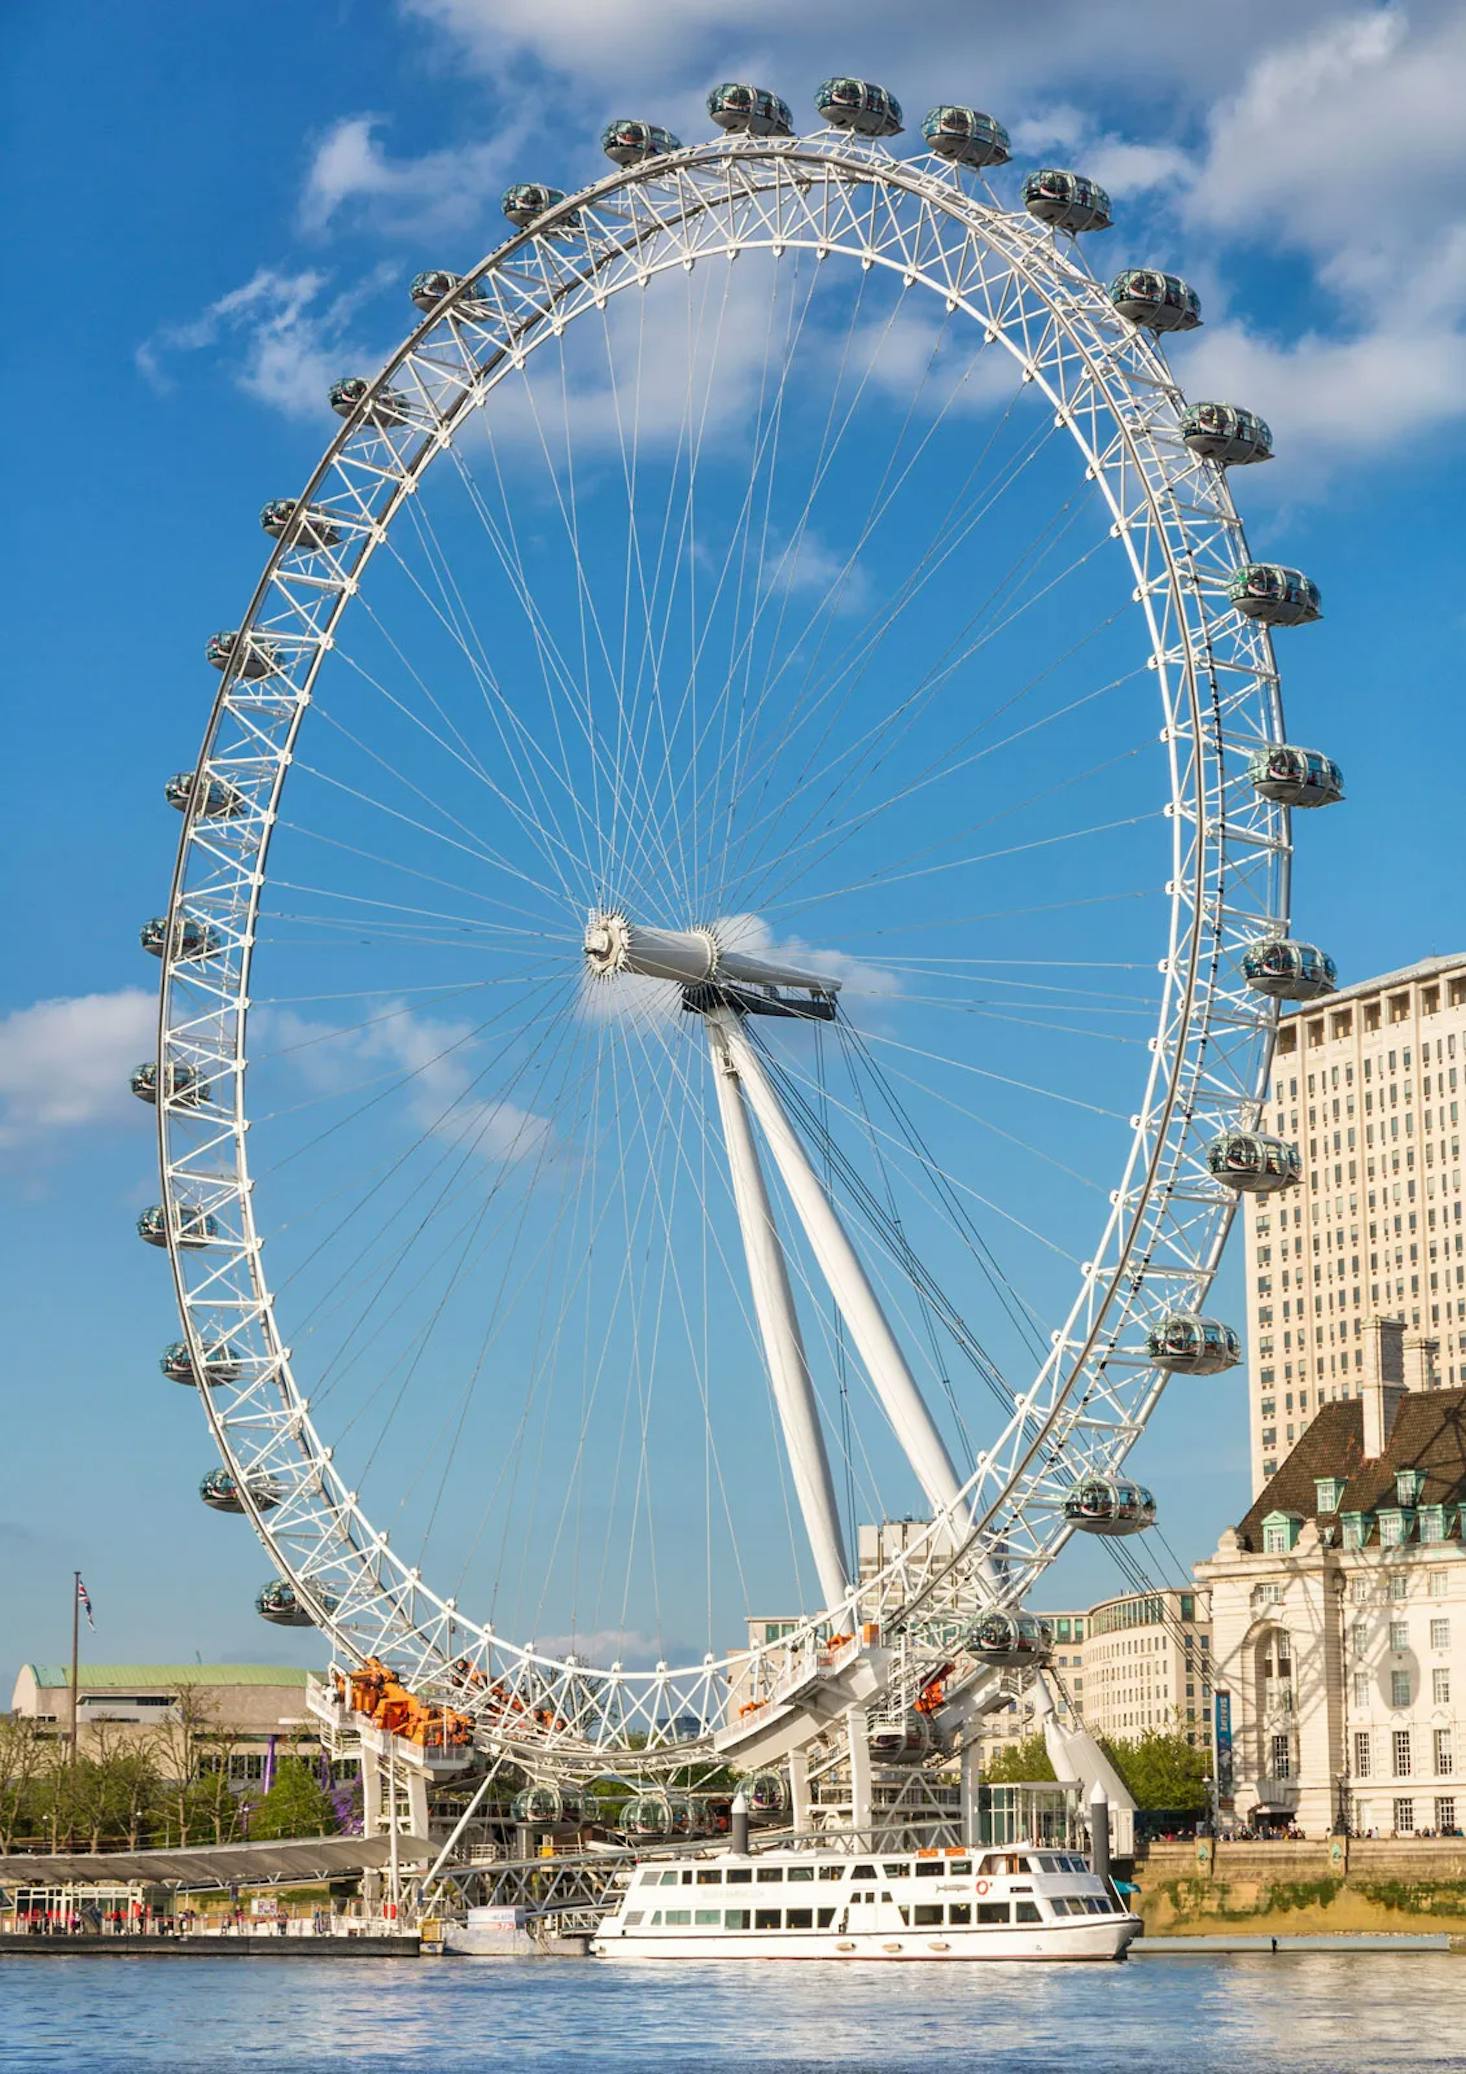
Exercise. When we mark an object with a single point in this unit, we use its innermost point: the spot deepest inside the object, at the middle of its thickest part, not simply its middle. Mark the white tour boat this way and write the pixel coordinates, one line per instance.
(1019, 1901)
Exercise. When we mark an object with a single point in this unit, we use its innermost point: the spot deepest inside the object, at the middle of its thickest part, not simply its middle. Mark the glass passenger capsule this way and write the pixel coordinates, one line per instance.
(1278, 596)
(1066, 201)
(658, 1815)
(388, 408)
(1098, 1506)
(528, 200)
(1289, 971)
(1159, 302)
(259, 656)
(1224, 432)
(221, 1364)
(549, 1807)
(279, 1604)
(1192, 1345)
(191, 938)
(1010, 1640)
(195, 1227)
(220, 1491)
(906, 1740)
(299, 525)
(1252, 1162)
(767, 1795)
(631, 143)
(185, 1085)
(750, 111)
(217, 798)
(1295, 777)
(967, 137)
(859, 105)
(429, 287)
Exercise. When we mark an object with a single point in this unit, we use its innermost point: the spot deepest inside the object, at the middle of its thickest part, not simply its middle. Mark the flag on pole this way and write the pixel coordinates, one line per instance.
(84, 1598)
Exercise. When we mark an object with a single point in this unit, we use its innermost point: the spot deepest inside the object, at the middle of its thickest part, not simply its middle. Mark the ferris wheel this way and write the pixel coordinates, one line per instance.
(723, 958)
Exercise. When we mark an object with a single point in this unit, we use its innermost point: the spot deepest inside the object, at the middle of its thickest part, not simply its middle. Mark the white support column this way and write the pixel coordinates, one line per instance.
(857, 1731)
(799, 1820)
(773, 1301)
(971, 1778)
(850, 1286)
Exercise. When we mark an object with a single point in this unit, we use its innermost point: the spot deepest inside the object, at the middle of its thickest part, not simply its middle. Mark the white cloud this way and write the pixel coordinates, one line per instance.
(64, 1063)
(808, 565)
(443, 1086)
(282, 336)
(443, 190)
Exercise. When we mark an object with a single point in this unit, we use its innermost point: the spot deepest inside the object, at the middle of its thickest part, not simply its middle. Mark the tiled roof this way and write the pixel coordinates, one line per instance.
(1429, 1433)
(149, 1677)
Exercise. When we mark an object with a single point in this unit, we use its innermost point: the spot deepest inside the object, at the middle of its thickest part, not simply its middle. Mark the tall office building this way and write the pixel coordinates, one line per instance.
(1368, 1084)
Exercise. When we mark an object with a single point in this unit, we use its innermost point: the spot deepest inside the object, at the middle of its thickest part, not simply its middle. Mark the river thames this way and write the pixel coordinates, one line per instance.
(1248, 2015)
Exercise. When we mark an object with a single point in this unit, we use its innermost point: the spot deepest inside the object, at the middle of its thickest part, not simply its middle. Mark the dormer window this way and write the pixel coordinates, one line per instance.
(1330, 1491)
(1432, 1523)
(1356, 1527)
(1409, 1483)
(1280, 1532)
(1395, 1522)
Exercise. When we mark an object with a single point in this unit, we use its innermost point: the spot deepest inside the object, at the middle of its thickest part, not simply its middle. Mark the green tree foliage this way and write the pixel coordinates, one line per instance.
(1019, 1763)
(1162, 1770)
(296, 1805)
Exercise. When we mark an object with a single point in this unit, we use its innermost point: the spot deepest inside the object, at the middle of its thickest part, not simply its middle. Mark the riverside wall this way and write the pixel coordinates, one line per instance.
(1334, 1885)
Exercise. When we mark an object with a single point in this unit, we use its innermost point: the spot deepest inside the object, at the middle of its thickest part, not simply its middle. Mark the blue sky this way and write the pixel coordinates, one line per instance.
(218, 219)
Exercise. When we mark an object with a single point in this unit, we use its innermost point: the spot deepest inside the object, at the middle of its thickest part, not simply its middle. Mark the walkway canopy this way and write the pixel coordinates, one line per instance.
(299, 1858)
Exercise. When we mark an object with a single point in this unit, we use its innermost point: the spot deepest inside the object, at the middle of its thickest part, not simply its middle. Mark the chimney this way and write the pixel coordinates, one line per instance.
(1420, 1368)
(1384, 1381)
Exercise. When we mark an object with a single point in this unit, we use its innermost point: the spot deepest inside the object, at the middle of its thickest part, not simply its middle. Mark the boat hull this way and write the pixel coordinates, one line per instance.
(1095, 1939)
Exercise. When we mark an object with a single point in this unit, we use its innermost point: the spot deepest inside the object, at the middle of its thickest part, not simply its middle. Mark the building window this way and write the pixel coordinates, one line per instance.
(1409, 1483)
(1400, 1753)
(1445, 1762)
(1440, 1634)
(1330, 1491)
(1394, 1528)
(1279, 1532)
(1432, 1523)
(1404, 1818)
(1440, 1687)
(1399, 1634)
(1356, 1528)
(1399, 1586)
(1437, 1584)
(1282, 1762)
(1359, 1591)
(1361, 1753)
(1399, 1688)
(1445, 1814)
(1361, 1688)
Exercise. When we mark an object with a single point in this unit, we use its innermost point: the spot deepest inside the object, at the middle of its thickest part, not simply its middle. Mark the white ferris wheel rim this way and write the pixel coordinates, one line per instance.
(1110, 388)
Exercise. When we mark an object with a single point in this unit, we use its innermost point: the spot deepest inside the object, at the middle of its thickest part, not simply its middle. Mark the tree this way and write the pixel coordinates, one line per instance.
(26, 1756)
(296, 1805)
(1163, 1771)
(1019, 1763)
(193, 1753)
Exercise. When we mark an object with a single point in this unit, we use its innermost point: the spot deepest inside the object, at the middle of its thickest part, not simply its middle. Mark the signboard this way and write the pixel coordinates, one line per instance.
(1222, 1705)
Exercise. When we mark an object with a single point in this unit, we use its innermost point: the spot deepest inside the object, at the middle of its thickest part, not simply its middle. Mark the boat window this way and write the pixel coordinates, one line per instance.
(710, 1879)
(905, 1915)
(799, 1919)
(709, 1915)
(927, 1913)
(656, 1918)
(959, 1914)
(1027, 1912)
(766, 1918)
(885, 1893)
(633, 1917)
(825, 1917)
(735, 1918)
(992, 1912)
(769, 1876)
(1096, 1904)
(959, 1865)
(1052, 1862)
(832, 1872)
(740, 1875)
(678, 1916)
(651, 1879)
(929, 1869)
(897, 1872)
(799, 1872)
(1023, 1889)
(863, 1872)
(671, 1879)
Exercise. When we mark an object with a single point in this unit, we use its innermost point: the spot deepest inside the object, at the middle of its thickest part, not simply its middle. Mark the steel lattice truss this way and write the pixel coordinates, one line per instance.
(1217, 686)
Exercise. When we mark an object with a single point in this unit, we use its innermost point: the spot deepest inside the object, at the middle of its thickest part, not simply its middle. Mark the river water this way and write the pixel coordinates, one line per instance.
(1248, 2015)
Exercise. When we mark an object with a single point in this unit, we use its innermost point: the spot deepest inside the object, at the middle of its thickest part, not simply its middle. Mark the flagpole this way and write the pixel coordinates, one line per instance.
(75, 1652)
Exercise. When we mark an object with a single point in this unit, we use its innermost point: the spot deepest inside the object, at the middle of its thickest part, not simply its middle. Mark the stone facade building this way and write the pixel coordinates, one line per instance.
(1339, 1616)
(1369, 1083)
(251, 1711)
